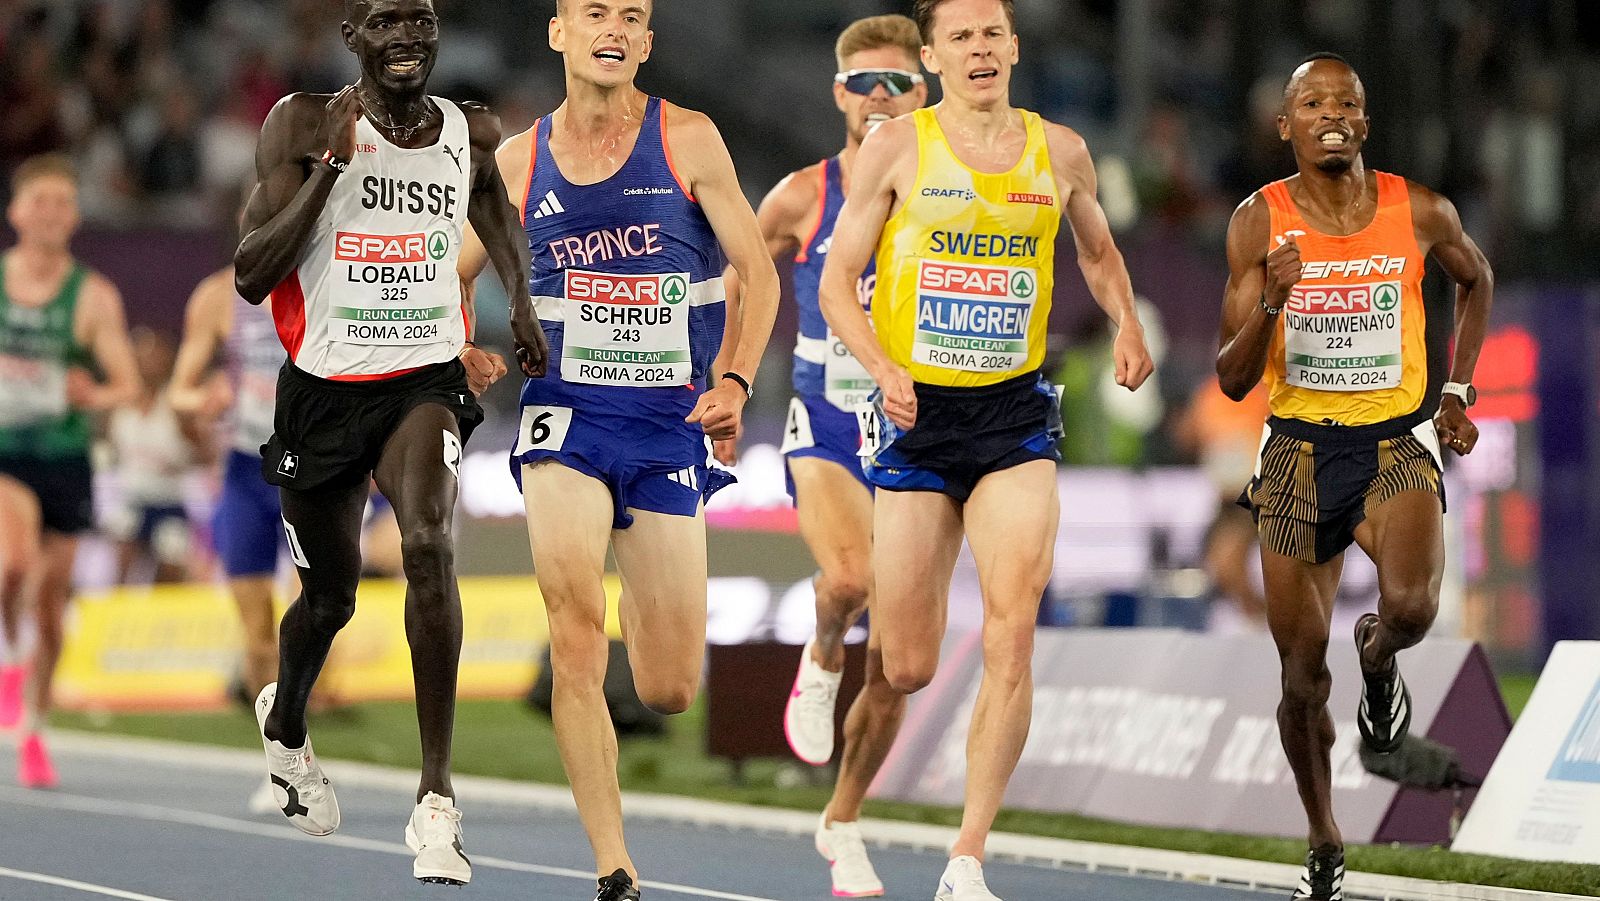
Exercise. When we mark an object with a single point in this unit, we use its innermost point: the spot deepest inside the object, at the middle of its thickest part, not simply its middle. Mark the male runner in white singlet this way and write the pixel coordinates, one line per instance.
(354, 228)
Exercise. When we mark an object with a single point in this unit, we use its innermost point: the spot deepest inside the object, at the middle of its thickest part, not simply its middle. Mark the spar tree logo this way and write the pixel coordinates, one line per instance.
(1387, 297)
(1022, 285)
(674, 288)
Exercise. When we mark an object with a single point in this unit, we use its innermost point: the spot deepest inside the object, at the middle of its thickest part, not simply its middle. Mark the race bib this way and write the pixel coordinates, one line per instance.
(973, 318)
(626, 329)
(876, 429)
(543, 428)
(846, 383)
(31, 391)
(392, 286)
(797, 428)
(1343, 337)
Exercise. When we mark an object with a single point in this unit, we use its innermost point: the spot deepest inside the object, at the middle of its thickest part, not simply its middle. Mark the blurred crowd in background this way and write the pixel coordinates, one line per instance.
(160, 101)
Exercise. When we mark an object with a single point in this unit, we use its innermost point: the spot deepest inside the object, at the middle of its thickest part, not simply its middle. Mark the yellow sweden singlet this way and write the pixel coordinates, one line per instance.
(966, 268)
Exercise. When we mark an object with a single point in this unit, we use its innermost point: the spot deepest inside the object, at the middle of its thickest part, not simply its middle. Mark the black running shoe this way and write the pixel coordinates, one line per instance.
(1384, 715)
(617, 887)
(1323, 879)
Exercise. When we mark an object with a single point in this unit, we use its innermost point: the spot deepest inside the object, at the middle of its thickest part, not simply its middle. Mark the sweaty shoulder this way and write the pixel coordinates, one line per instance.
(796, 197)
(483, 125)
(1432, 214)
(291, 128)
(298, 112)
(1249, 229)
(894, 136)
(1067, 147)
(1072, 168)
(519, 146)
(689, 126)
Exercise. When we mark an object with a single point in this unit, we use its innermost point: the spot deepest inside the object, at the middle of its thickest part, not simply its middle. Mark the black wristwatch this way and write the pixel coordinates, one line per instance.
(749, 390)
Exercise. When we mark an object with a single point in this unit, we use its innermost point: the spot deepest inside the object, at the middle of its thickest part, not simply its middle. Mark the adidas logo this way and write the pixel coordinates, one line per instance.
(687, 478)
(549, 206)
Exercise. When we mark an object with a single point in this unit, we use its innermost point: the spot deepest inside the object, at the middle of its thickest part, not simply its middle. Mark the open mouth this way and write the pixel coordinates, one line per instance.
(404, 66)
(983, 76)
(611, 55)
(1333, 140)
(878, 117)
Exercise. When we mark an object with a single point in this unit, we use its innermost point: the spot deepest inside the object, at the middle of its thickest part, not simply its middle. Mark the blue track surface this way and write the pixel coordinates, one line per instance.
(179, 831)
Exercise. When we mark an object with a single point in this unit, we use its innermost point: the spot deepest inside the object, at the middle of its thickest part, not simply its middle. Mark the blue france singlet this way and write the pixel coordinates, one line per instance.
(626, 279)
(823, 366)
(254, 356)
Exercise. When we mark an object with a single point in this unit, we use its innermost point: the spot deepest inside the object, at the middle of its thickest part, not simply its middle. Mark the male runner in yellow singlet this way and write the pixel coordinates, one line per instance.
(963, 437)
(1325, 298)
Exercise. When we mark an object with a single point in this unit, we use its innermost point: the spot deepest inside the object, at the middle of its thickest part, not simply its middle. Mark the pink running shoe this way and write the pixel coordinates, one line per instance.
(12, 680)
(34, 769)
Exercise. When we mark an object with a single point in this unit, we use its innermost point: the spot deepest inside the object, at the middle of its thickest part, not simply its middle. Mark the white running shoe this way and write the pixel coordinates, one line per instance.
(299, 787)
(808, 717)
(434, 834)
(841, 846)
(262, 801)
(963, 881)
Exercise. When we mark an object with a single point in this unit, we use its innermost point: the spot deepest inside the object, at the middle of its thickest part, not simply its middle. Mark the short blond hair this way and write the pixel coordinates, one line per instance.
(43, 166)
(878, 31)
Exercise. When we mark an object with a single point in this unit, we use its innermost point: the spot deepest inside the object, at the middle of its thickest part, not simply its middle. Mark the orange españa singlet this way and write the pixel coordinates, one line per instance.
(1350, 348)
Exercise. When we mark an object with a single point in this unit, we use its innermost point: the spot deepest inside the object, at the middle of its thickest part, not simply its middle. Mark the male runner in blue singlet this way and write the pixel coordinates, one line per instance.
(630, 204)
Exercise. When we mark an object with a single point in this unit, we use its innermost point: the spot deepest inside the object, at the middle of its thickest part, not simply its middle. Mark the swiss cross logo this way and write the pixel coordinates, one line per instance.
(289, 466)
(353, 247)
(634, 290)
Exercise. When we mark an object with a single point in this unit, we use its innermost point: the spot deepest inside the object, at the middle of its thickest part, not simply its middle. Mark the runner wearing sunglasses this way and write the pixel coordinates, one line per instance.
(877, 82)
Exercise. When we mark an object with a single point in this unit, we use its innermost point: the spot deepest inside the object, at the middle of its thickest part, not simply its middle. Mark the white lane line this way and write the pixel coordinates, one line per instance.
(91, 888)
(1095, 857)
(55, 801)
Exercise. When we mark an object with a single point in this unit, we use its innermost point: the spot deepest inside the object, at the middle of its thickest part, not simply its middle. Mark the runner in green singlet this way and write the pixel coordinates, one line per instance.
(64, 353)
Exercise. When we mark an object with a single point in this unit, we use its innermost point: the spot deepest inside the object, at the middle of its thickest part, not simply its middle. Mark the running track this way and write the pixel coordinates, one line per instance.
(143, 821)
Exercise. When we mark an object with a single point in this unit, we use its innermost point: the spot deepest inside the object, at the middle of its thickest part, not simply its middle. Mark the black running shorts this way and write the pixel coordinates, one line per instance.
(329, 434)
(963, 434)
(1315, 484)
(64, 486)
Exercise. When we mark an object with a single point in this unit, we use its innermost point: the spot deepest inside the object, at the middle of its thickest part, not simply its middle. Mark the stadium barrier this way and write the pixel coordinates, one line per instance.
(1175, 729)
(1542, 798)
(178, 647)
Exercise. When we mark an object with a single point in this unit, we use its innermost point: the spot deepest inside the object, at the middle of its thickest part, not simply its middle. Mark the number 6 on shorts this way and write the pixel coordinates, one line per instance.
(543, 428)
